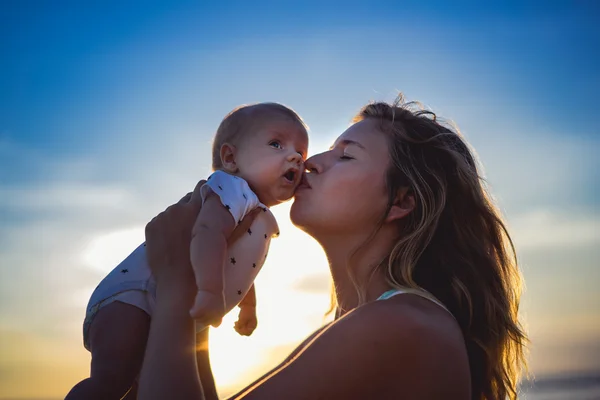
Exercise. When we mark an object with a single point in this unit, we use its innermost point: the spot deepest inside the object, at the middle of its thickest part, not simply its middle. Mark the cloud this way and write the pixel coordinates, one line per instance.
(548, 228)
(63, 197)
(528, 166)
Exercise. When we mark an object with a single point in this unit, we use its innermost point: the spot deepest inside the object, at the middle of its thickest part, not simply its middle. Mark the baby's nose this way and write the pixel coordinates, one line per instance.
(295, 158)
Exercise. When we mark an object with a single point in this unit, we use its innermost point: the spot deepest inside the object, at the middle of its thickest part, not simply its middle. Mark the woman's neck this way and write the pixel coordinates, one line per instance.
(364, 263)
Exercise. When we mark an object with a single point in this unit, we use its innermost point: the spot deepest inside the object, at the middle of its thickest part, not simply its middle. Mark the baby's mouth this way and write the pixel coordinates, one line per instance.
(290, 175)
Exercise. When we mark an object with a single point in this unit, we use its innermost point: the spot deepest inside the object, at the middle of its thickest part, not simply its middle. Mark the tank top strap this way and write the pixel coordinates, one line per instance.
(418, 292)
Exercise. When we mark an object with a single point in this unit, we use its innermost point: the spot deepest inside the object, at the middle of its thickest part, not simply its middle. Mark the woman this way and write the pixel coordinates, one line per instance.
(425, 275)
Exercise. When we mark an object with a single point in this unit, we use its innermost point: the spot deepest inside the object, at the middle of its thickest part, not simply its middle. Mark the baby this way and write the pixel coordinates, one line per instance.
(258, 155)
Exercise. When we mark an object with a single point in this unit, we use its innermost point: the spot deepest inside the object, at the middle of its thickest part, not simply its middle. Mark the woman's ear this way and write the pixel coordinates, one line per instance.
(403, 205)
(228, 157)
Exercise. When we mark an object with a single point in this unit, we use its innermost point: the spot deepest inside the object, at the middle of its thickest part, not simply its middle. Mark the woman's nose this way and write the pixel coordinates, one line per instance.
(311, 165)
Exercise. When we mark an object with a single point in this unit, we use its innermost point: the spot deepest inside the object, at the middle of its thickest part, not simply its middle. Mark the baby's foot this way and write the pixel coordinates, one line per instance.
(208, 308)
(247, 321)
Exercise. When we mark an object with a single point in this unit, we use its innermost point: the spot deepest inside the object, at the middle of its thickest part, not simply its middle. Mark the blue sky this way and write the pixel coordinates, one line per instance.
(107, 112)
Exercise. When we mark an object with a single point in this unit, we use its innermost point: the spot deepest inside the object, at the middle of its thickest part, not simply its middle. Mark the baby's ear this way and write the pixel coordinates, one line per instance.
(404, 204)
(228, 152)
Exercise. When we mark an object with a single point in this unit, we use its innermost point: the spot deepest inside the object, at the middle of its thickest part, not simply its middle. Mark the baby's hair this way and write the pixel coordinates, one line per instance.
(243, 119)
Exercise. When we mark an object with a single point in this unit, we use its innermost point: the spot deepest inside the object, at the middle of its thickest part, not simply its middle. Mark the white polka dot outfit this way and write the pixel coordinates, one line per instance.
(131, 281)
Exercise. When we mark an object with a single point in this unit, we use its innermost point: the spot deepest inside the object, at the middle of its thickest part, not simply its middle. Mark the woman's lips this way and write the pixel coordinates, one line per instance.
(304, 183)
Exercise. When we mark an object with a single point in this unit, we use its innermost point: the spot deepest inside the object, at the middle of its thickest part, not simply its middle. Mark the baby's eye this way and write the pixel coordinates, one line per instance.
(345, 157)
(275, 144)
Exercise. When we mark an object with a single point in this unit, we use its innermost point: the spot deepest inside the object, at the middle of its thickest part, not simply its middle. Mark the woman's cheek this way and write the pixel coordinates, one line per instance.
(368, 195)
(355, 185)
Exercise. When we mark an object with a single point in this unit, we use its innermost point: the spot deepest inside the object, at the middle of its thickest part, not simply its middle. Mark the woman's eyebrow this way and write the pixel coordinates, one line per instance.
(347, 142)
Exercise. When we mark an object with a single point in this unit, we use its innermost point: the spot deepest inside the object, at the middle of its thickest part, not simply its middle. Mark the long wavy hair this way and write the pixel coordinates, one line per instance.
(454, 244)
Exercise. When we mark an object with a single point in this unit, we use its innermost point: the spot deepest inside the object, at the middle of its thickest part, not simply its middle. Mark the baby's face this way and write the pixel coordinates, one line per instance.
(271, 159)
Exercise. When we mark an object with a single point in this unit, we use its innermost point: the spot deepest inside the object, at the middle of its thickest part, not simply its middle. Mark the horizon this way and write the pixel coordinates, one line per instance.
(108, 111)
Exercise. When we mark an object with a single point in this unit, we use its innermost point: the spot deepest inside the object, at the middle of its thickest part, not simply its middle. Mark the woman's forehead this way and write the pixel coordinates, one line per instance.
(364, 134)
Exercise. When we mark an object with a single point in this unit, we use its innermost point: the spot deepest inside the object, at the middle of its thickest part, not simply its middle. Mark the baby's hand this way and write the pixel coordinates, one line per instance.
(247, 321)
(208, 308)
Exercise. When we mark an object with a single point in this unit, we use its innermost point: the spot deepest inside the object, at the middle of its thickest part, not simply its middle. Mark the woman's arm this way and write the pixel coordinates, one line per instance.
(203, 363)
(169, 370)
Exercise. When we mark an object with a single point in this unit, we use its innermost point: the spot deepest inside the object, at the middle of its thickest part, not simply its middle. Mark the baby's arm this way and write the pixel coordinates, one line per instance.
(247, 320)
(208, 249)
(250, 299)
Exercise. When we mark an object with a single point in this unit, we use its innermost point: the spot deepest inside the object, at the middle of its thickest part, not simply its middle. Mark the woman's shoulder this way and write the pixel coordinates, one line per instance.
(385, 349)
(419, 337)
(412, 318)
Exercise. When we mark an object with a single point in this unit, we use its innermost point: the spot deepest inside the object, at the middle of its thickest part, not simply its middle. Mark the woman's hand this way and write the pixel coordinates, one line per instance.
(168, 242)
(169, 370)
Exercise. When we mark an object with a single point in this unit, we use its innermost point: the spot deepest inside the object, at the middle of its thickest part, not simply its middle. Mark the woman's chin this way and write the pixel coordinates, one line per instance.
(295, 216)
(299, 215)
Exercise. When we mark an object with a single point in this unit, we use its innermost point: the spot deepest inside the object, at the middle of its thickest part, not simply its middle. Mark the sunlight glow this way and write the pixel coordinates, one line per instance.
(106, 251)
(286, 313)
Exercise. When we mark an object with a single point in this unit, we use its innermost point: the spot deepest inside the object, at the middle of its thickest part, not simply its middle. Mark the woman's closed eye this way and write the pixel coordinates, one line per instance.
(346, 157)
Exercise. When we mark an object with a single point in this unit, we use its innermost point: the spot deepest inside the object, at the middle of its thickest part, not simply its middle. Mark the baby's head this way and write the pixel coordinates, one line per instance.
(266, 145)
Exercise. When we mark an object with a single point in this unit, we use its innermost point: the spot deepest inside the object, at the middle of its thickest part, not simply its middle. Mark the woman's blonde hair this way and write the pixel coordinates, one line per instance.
(454, 243)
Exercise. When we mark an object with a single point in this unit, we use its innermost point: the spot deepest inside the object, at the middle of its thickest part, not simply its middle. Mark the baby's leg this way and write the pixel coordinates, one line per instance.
(118, 337)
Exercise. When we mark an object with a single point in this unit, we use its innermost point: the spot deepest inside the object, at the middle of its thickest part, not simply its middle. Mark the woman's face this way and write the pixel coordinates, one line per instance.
(344, 191)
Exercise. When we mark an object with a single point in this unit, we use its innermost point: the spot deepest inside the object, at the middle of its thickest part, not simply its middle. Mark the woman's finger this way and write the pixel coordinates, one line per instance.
(150, 226)
(196, 194)
(185, 198)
